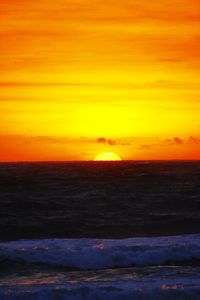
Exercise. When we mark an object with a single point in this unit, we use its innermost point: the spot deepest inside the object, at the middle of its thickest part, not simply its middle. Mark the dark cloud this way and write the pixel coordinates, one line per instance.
(111, 142)
(168, 142)
(178, 141)
(174, 141)
(102, 140)
(194, 140)
(105, 141)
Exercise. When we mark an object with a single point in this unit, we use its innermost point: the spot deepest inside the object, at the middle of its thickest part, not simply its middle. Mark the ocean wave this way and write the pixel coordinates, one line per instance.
(102, 254)
(118, 290)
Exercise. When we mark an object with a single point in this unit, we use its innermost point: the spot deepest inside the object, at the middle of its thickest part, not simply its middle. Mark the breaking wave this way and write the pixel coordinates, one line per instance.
(89, 254)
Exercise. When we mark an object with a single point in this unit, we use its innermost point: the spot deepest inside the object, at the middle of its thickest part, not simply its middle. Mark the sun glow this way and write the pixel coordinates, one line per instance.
(107, 156)
(82, 77)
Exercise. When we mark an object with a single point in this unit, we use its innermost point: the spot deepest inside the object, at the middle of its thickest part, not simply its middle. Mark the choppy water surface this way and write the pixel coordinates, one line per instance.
(99, 200)
(135, 268)
(116, 230)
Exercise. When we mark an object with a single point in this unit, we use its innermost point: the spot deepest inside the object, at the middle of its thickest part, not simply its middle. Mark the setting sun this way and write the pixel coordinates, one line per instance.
(107, 156)
(82, 77)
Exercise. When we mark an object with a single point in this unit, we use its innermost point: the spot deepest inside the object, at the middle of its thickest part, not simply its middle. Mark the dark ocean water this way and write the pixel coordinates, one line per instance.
(99, 200)
(95, 230)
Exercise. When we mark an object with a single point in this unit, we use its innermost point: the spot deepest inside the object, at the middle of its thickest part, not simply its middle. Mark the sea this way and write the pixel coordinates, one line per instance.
(123, 230)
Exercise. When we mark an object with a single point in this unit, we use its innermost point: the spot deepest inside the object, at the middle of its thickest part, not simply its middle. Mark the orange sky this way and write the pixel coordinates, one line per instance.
(80, 77)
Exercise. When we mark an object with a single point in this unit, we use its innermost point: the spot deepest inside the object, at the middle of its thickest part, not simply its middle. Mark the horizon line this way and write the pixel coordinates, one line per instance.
(103, 161)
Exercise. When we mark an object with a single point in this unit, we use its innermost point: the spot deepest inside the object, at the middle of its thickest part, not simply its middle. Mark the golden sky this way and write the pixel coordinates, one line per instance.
(80, 77)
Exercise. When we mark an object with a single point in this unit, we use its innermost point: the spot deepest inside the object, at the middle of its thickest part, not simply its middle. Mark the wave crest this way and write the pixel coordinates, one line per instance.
(102, 254)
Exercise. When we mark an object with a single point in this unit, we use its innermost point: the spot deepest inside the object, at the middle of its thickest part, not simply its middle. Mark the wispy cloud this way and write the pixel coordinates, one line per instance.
(173, 142)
